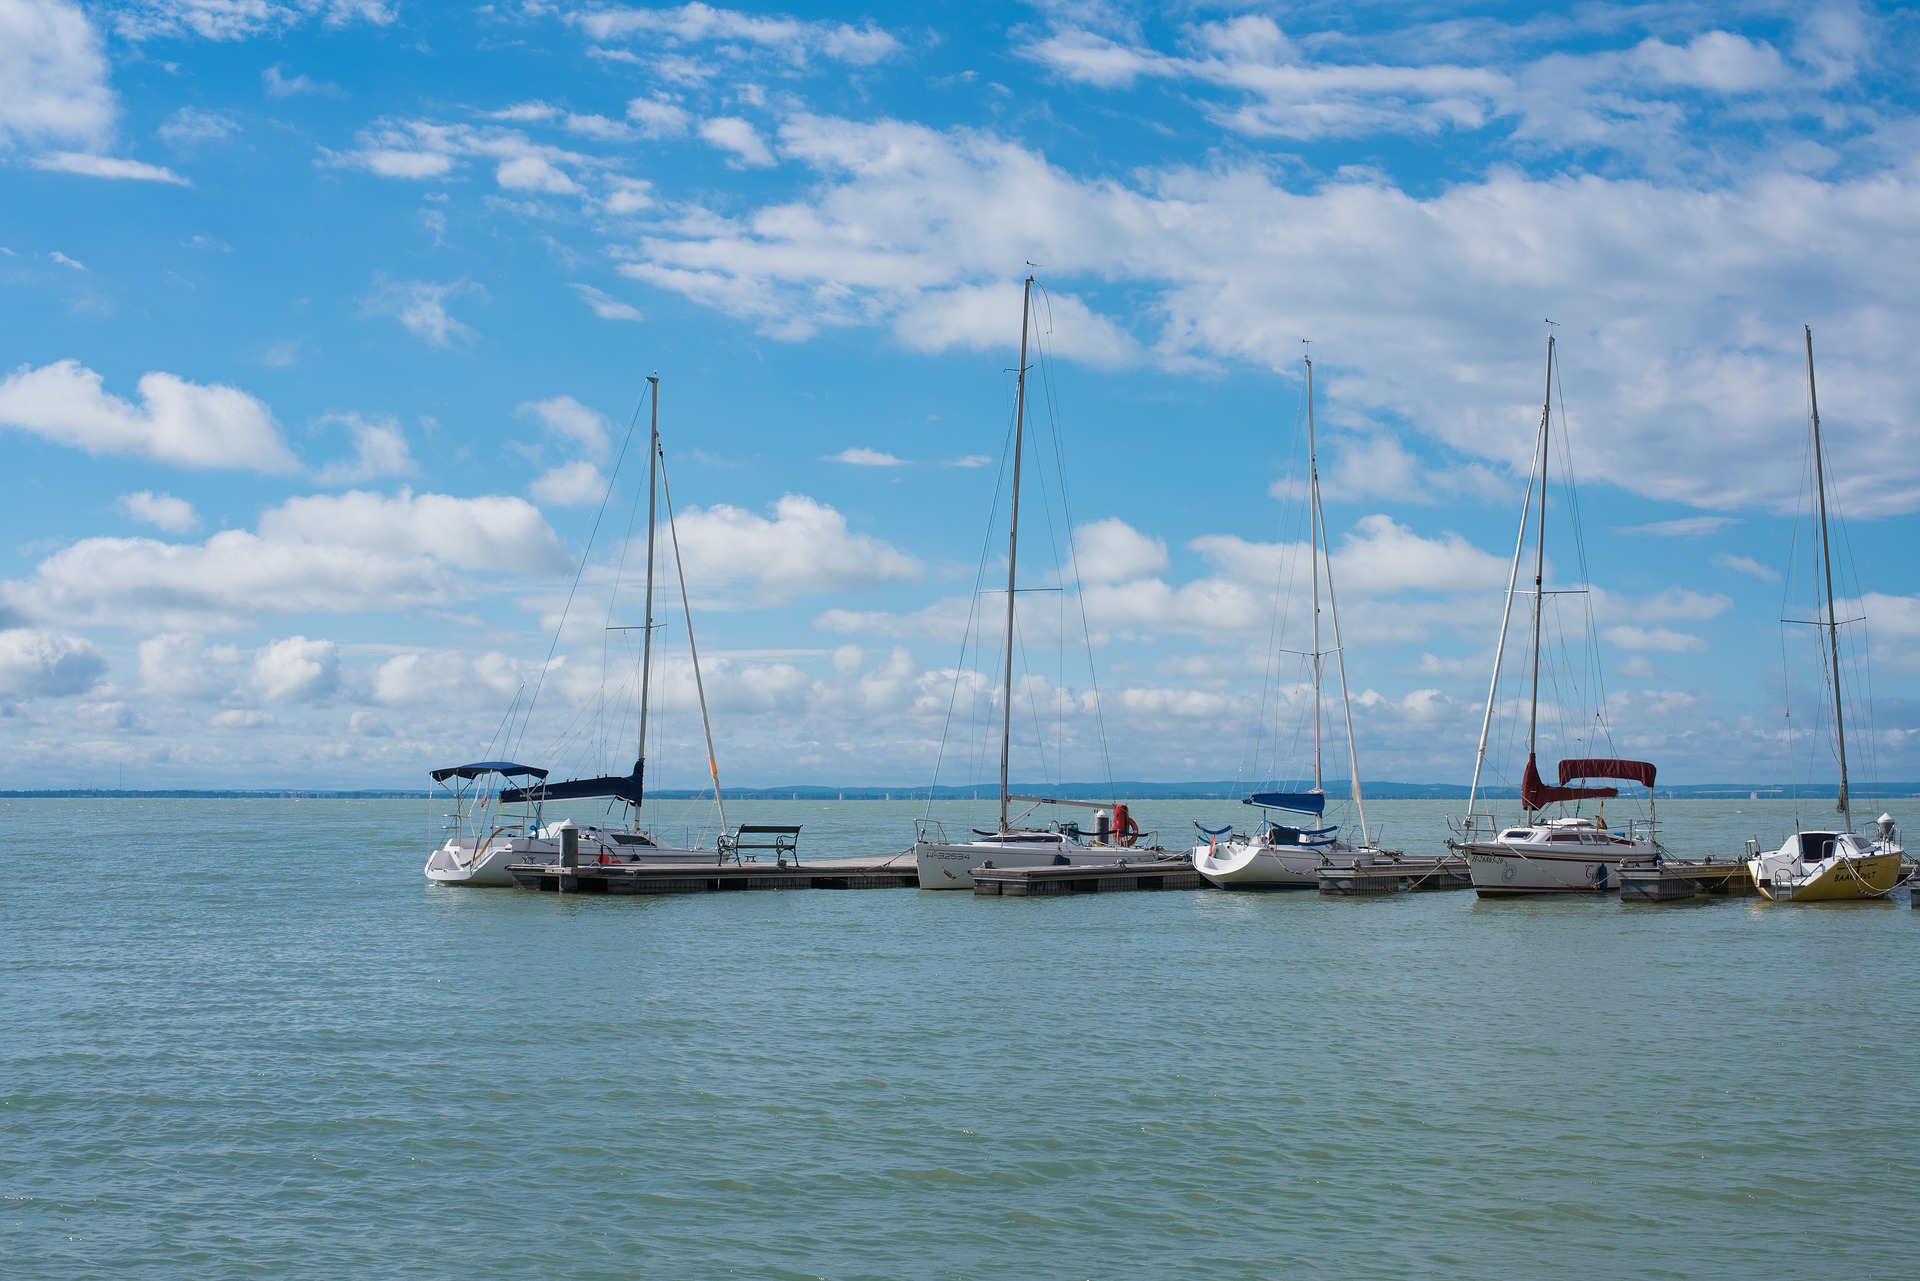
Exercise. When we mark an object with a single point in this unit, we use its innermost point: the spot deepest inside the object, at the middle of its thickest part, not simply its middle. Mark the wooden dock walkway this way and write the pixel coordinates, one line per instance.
(1398, 876)
(1675, 880)
(896, 871)
(1105, 878)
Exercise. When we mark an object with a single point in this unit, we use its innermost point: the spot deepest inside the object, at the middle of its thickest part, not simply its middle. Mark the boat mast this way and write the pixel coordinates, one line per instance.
(1313, 554)
(646, 643)
(1318, 519)
(1013, 544)
(1540, 559)
(1826, 556)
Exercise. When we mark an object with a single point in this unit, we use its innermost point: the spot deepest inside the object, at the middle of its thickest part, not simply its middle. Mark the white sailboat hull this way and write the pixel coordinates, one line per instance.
(950, 867)
(1252, 866)
(1502, 871)
(458, 863)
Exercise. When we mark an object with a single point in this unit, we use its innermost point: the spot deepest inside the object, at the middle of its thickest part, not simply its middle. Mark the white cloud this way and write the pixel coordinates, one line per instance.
(1685, 527)
(969, 460)
(534, 173)
(65, 261)
(658, 118)
(53, 75)
(1747, 565)
(241, 718)
(180, 667)
(241, 19)
(419, 149)
(627, 196)
(379, 449)
(525, 113)
(296, 669)
(44, 664)
(89, 165)
(340, 553)
(577, 484)
(189, 126)
(187, 424)
(1660, 640)
(907, 227)
(1674, 603)
(805, 548)
(280, 85)
(1112, 551)
(446, 677)
(731, 133)
(175, 515)
(861, 456)
(701, 23)
(567, 419)
(606, 306)
(421, 307)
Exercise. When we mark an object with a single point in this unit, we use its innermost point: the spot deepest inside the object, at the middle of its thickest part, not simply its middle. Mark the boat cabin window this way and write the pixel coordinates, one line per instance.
(1816, 845)
(1517, 834)
(1566, 838)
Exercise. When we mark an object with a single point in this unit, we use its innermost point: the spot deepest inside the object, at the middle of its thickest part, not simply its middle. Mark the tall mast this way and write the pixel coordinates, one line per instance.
(1318, 519)
(646, 643)
(1013, 545)
(1313, 554)
(1826, 556)
(1540, 557)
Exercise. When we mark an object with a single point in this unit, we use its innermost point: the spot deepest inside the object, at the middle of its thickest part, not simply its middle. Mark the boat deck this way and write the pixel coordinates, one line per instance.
(1027, 882)
(1398, 876)
(895, 871)
(1675, 880)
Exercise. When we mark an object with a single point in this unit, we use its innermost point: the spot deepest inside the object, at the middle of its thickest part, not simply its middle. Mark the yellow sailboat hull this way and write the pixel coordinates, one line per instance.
(1867, 877)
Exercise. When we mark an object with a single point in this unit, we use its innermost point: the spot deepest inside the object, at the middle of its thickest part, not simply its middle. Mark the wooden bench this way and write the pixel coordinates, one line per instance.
(783, 841)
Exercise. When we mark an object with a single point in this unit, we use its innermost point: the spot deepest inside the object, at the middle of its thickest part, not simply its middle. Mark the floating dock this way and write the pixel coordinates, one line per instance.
(1397, 876)
(896, 871)
(1104, 878)
(1675, 880)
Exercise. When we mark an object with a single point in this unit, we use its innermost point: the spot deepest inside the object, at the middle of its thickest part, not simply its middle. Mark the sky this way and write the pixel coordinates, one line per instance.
(324, 325)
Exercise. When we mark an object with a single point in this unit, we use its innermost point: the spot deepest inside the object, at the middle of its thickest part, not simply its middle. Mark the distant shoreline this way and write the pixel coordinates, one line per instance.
(1131, 791)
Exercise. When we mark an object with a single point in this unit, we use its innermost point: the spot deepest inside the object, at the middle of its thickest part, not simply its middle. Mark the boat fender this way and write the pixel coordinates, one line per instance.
(1125, 830)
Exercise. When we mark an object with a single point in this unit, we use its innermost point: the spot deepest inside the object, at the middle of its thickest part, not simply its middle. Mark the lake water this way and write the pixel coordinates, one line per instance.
(246, 1039)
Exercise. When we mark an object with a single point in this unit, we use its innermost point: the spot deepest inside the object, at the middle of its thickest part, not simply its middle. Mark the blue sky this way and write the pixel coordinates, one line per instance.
(321, 324)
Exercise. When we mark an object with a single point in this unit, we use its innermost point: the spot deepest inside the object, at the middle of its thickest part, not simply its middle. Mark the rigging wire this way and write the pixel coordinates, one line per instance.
(560, 626)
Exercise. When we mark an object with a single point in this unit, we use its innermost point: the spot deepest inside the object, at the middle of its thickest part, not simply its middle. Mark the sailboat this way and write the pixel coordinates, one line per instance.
(497, 822)
(948, 865)
(1563, 853)
(1828, 866)
(1290, 855)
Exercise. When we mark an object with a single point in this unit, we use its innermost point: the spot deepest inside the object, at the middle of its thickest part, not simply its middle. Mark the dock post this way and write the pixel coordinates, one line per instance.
(569, 857)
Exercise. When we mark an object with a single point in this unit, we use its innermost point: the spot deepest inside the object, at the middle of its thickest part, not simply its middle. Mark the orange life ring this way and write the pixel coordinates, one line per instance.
(1125, 830)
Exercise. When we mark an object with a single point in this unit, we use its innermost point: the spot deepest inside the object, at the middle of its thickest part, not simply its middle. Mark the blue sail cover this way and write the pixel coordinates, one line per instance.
(475, 770)
(1298, 802)
(626, 787)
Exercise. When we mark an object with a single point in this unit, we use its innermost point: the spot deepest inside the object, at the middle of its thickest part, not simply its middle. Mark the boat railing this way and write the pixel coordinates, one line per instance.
(1478, 827)
(930, 831)
(1643, 829)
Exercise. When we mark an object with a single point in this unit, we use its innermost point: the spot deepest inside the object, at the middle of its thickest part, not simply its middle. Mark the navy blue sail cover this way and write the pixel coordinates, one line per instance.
(1298, 802)
(478, 768)
(626, 787)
